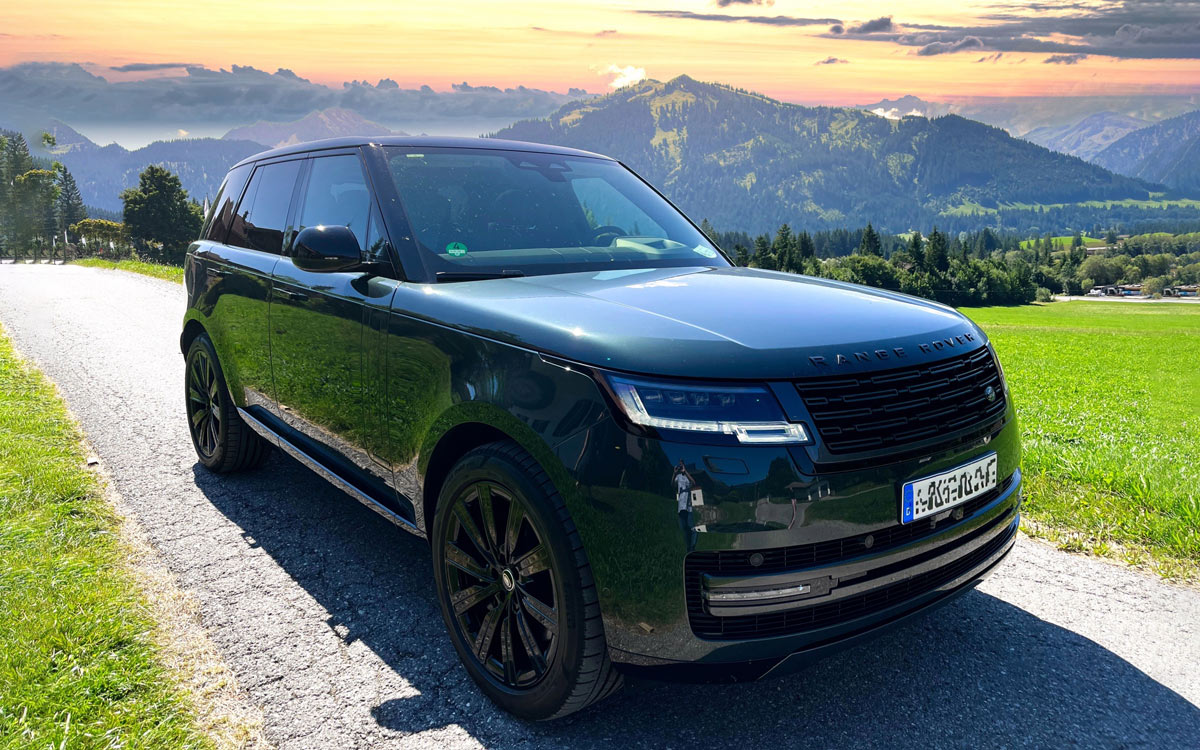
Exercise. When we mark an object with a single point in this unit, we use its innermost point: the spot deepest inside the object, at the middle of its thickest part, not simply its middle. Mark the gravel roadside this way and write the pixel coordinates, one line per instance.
(325, 613)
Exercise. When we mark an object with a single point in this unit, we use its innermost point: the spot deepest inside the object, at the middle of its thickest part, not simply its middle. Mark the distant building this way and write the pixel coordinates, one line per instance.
(1183, 290)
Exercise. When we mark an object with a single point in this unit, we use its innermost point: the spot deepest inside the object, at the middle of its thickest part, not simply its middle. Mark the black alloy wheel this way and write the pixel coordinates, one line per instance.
(515, 587)
(204, 403)
(223, 441)
(501, 585)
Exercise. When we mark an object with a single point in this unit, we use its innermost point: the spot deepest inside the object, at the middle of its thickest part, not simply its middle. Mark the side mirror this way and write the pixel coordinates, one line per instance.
(323, 249)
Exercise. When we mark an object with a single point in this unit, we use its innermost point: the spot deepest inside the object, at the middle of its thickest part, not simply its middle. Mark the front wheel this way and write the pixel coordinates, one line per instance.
(515, 587)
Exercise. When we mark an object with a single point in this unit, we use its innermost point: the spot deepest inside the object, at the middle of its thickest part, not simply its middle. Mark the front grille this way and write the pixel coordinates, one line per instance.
(895, 408)
(781, 559)
(850, 608)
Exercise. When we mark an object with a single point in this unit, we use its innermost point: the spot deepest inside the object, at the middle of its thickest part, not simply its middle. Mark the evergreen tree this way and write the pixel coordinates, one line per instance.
(782, 249)
(762, 253)
(916, 248)
(870, 244)
(709, 231)
(805, 249)
(159, 216)
(741, 256)
(70, 203)
(937, 253)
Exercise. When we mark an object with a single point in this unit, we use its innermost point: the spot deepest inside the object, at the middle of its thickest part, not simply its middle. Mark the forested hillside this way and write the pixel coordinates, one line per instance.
(746, 161)
(1168, 152)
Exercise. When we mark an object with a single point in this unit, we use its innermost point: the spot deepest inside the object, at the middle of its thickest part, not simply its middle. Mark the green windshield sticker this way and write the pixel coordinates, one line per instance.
(456, 249)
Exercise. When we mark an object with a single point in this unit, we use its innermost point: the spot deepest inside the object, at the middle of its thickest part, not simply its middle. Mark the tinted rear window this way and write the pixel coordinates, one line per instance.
(220, 215)
(261, 218)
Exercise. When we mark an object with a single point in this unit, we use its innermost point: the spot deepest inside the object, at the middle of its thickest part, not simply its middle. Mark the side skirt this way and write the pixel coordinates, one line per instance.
(328, 474)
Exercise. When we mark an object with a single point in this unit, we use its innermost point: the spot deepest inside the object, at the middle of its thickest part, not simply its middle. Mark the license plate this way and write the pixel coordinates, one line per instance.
(937, 492)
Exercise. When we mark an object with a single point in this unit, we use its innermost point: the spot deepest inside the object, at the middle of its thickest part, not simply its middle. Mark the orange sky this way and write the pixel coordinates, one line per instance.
(556, 45)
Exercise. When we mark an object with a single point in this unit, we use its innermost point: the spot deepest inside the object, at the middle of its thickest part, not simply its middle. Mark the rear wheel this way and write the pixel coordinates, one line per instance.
(515, 587)
(222, 440)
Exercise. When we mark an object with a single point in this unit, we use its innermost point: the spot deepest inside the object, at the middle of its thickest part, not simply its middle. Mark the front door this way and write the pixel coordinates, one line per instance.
(324, 376)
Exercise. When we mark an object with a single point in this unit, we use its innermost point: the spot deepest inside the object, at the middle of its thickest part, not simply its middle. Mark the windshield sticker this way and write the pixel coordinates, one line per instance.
(707, 252)
(456, 249)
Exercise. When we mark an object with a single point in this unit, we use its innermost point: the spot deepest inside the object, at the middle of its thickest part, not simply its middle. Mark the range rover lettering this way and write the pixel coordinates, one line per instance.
(627, 454)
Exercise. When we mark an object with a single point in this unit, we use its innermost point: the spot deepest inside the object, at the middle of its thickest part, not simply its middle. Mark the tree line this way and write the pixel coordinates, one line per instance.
(971, 268)
(42, 214)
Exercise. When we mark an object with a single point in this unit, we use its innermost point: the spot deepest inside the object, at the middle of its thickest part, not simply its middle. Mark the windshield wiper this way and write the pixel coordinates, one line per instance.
(446, 276)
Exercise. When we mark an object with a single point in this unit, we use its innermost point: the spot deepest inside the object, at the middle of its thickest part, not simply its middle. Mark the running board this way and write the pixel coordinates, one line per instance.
(333, 478)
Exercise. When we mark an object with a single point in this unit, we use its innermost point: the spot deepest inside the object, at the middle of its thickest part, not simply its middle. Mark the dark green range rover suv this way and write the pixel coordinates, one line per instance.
(626, 453)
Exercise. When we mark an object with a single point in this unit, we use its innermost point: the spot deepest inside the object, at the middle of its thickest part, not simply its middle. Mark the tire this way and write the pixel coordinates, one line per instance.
(223, 442)
(517, 585)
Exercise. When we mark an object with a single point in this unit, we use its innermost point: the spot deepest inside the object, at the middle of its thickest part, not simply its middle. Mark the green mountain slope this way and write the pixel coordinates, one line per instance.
(1168, 152)
(746, 161)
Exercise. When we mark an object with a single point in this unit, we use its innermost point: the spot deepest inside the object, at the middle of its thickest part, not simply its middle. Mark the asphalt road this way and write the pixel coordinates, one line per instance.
(326, 614)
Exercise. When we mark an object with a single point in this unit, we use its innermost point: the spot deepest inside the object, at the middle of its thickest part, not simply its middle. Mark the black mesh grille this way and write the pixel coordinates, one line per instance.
(843, 610)
(894, 408)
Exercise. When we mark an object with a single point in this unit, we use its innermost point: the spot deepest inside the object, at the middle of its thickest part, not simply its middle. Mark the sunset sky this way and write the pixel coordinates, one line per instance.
(827, 52)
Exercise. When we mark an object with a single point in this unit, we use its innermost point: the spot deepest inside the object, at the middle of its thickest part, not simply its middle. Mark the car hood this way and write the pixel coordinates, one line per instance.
(716, 323)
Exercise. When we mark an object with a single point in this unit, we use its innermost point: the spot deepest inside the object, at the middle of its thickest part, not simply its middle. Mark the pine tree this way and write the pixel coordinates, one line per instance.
(916, 248)
(762, 253)
(805, 248)
(741, 255)
(782, 248)
(937, 252)
(70, 203)
(870, 244)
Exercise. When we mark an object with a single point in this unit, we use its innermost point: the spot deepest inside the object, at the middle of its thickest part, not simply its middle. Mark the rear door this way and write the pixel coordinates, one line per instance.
(237, 273)
(322, 354)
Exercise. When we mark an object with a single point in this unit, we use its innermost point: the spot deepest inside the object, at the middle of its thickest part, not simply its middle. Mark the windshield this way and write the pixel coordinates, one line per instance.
(480, 211)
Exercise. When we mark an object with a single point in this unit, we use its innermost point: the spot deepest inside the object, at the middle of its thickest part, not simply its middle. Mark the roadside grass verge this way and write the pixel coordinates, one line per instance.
(78, 664)
(1108, 398)
(157, 270)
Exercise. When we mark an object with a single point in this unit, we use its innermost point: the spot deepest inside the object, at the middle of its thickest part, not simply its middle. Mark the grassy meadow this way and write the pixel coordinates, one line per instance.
(78, 665)
(1108, 397)
(157, 270)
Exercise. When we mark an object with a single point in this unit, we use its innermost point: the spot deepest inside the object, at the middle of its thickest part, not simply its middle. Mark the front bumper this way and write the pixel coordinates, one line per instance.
(827, 542)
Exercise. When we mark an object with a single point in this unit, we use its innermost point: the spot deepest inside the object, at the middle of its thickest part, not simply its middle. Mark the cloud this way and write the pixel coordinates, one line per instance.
(883, 23)
(837, 28)
(991, 58)
(606, 32)
(893, 113)
(831, 61)
(1125, 29)
(182, 133)
(142, 67)
(942, 48)
(724, 18)
(1064, 59)
(727, 3)
(624, 75)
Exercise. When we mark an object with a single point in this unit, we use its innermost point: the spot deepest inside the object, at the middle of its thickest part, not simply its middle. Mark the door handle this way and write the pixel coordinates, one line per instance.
(291, 294)
(216, 273)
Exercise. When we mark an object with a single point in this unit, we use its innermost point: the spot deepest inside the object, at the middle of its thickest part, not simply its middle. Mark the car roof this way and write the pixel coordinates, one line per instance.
(422, 141)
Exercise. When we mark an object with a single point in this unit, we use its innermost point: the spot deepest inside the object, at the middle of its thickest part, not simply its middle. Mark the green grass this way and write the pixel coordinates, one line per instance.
(78, 665)
(157, 270)
(1065, 241)
(1108, 397)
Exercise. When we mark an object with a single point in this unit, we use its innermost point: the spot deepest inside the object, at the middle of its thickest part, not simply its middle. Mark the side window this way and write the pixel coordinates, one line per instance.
(261, 218)
(605, 206)
(337, 195)
(220, 216)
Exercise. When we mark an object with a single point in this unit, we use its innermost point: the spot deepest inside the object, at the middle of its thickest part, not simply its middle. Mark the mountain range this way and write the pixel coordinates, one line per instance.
(326, 123)
(1167, 152)
(1089, 136)
(748, 162)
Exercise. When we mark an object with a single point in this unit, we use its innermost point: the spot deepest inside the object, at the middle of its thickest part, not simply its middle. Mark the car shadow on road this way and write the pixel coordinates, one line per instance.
(978, 672)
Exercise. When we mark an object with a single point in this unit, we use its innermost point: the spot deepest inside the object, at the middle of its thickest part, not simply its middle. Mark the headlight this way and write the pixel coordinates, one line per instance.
(750, 413)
